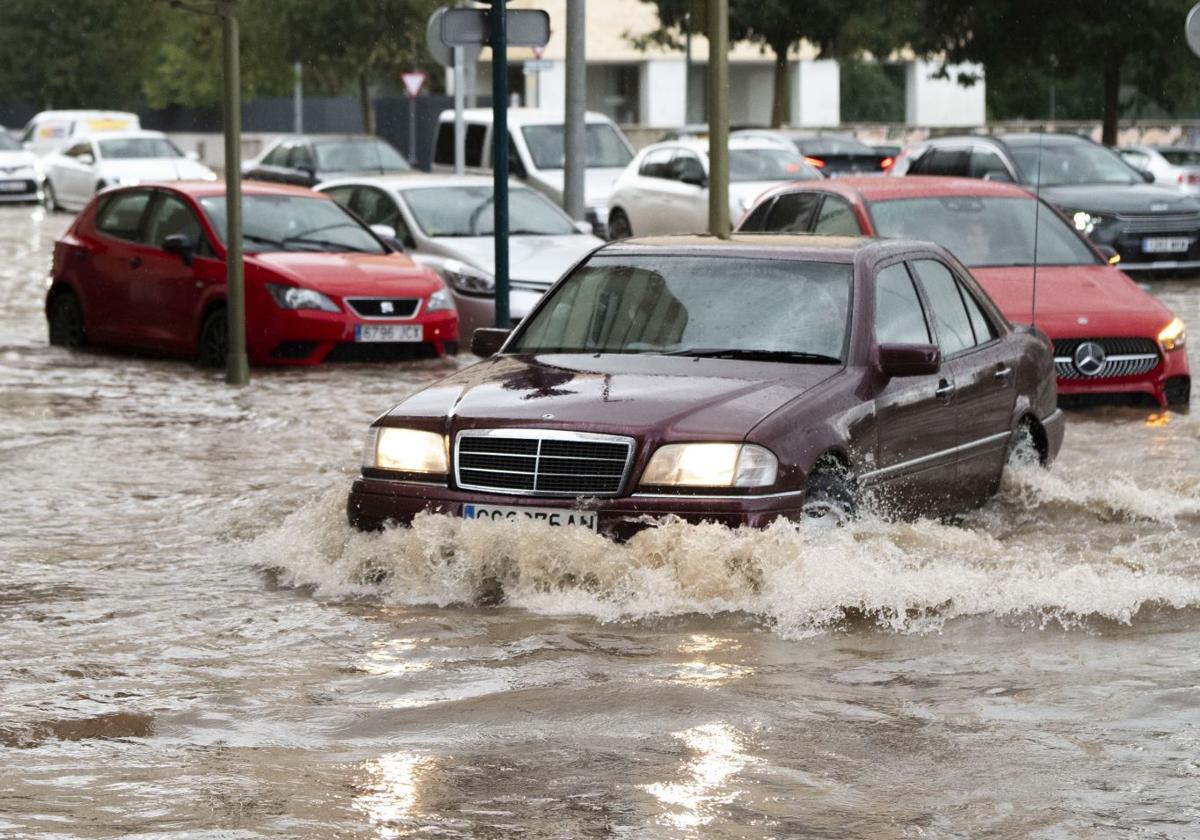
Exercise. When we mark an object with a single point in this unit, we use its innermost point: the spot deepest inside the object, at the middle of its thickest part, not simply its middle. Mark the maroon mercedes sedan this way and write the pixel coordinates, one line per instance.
(734, 381)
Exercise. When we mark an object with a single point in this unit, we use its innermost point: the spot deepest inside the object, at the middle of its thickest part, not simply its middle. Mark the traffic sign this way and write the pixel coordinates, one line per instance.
(1191, 29)
(525, 27)
(529, 67)
(413, 81)
(442, 52)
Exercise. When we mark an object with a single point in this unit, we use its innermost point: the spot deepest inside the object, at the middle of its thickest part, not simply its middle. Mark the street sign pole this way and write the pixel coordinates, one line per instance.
(237, 365)
(718, 118)
(459, 127)
(574, 162)
(499, 44)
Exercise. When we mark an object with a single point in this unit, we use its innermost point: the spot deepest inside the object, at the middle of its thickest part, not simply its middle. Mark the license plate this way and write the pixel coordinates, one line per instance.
(1165, 244)
(12, 186)
(558, 517)
(389, 332)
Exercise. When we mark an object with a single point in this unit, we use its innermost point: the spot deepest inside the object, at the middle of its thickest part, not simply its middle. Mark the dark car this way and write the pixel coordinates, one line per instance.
(306, 161)
(1151, 227)
(833, 155)
(736, 381)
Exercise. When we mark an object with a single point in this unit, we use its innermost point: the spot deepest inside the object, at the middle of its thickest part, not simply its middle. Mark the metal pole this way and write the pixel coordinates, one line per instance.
(298, 100)
(237, 366)
(412, 128)
(574, 140)
(459, 128)
(499, 26)
(718, 118)
(687, 69)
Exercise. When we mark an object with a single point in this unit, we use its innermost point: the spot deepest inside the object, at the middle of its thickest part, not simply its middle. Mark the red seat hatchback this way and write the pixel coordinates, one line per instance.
(144, 267)
(1110, 337)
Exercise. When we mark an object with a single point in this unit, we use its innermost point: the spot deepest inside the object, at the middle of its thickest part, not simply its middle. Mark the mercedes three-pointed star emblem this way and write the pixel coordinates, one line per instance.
(1090, 358)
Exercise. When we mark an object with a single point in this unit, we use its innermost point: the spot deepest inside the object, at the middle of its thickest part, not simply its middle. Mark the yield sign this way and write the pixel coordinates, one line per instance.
(413, 80)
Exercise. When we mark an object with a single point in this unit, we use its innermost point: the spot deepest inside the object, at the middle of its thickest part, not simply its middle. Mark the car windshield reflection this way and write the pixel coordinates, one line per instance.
(293, 223)
(467, 211)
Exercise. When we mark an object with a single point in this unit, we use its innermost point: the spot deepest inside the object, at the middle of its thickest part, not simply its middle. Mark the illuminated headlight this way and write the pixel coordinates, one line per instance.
(293, 297)
(209, 176)
(439, 300)
(405, 450)
(469, 281)
(711, 465)
(1086, 222)
(128, 181)
(1173, 335)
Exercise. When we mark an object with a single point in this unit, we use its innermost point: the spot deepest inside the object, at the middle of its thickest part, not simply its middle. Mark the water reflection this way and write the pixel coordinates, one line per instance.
(718, 755)
(390, 799)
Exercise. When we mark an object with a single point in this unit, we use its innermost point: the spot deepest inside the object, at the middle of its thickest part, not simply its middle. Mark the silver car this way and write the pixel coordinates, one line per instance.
(445, 222)
(1171, 166)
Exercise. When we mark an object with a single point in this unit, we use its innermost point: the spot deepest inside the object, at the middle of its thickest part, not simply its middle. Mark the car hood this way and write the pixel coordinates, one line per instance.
(1135, 199)
(16, 158)
(1076, 301)
(347, 274)
(649, 397)
(538, 259)
(152, 169)
(597, 183)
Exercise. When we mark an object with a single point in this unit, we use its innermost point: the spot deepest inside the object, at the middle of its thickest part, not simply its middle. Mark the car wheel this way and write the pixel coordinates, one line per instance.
(65, 317)
(618, 226)
(831, 492)
(49, 199)
(1023, 448)
(214, 334)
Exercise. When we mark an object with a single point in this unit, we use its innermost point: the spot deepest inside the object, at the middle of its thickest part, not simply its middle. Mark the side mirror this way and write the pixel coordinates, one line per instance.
(696, 179)
(86, 159)
(909, 359)
(178, 243)
(487, 341)
(584, 227)
(384, 231)
(1148, 177)
(1109, 253)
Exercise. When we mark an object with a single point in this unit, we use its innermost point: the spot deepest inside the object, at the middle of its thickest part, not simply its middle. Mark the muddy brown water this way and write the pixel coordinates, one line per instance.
(193, 644)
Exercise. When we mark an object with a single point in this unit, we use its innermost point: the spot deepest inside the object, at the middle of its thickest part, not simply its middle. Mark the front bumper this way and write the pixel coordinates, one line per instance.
(1167, 383)
(19, 189)
(1128, 237)
(310, 336)
(375, 502)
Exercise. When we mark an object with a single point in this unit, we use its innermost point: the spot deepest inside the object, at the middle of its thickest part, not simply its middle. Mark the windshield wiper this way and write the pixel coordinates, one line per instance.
(756, 355)
(328, 243)
(265, 240)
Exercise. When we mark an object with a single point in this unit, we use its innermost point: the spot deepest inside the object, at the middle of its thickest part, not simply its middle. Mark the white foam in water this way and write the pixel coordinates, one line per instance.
(905, 576)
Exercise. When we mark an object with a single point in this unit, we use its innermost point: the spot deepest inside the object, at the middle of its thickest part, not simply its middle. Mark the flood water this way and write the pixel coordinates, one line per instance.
(194, 644)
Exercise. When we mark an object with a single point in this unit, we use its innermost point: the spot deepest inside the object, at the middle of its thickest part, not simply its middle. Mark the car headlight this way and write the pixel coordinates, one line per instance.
(1084, 221)
(1173, 335)
(209, 176)
(711, 465)
(469, 281)
(128, 181)
(405, 450)
(439, 300)
(293, 297)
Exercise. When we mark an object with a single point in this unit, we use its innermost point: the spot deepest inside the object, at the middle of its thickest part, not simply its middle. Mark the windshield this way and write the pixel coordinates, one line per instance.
(604, 146)
(1074, 163)
(833, 146)
(1181, 157)
(984, 231)
(467, 211)
(293, 223)
(128, 148)
(768, 165)
(8, 144)
(680, 305)
(358, 156)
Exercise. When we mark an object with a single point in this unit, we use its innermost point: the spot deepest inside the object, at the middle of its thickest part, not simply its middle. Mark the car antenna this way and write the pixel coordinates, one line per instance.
(1037, 209)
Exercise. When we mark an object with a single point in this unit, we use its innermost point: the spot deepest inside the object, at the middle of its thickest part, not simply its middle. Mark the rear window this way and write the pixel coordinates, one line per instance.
(1181, 157)
(121, 215)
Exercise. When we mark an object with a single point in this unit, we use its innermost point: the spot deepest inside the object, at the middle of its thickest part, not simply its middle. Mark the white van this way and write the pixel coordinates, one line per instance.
(51, 130)
(535, 152)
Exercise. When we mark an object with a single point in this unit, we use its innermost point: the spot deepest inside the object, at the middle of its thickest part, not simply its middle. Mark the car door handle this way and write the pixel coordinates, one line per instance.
(136, 262)
(1003, 372)
(944, 390)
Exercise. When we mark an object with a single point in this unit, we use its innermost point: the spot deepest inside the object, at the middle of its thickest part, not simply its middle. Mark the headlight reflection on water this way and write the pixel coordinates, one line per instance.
(390, 799)
(718, 756)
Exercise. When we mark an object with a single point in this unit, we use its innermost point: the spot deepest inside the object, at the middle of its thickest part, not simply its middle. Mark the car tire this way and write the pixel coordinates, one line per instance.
(1024, 447)
(831, 492)
(64, 316)
(49, 199)
(618, 226)
(213, 340)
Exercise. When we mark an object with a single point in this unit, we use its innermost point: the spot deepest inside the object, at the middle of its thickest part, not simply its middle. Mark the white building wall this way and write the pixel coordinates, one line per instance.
(816, 93)
(661, 93)
(750, 90)
(550, 88)
(929, 101)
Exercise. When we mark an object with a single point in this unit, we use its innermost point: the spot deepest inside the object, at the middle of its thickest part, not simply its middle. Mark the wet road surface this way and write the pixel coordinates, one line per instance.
(193, 644)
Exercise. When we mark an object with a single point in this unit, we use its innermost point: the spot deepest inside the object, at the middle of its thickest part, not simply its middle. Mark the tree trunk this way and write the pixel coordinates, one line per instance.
(365, 104)
(1112, 100)
(781, 104)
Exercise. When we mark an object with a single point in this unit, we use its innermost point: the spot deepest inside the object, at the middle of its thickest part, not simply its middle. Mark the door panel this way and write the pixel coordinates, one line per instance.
(113, 246)
(164, 292)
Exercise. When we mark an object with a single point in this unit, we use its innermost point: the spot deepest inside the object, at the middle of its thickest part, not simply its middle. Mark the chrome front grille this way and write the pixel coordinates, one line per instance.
(1123, 357)
(1160, 223)
(384, 308)
(541, 462)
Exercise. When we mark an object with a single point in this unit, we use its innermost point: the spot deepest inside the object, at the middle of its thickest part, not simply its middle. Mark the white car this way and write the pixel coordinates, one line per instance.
(20, 179)
(445, 222)
(75, 174)
(535, 153)
(1171, 166)
(665, 189)
(50, 131)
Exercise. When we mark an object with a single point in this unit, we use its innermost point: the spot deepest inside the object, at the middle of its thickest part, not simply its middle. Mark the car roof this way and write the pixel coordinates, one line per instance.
(419, 179)
(522, 116)
(842, 249)
(700, 144)
(121, 135)
(1044, 137)
(910, 186)
(84, 113)
(201, 189)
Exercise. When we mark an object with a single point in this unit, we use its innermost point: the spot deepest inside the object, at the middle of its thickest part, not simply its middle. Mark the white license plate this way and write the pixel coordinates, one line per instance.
(12, 186)
(557, 517)
(1165, 244)
(389, 332)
